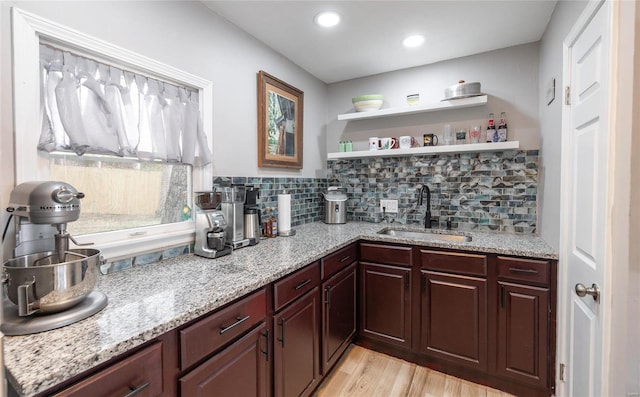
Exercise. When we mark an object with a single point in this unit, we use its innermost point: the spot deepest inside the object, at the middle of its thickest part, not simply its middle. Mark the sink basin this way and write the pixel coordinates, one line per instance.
(424, 235)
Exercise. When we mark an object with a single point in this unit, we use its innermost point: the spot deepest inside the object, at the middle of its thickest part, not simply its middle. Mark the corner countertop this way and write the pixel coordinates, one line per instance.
(147, 301)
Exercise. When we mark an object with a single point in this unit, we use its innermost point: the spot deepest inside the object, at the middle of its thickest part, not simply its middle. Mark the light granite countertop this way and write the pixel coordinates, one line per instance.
(149, 300)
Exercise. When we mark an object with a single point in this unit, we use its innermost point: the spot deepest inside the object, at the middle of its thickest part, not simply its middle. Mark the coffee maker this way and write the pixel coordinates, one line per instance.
(252, 219)
(233, 209)
(211, 234)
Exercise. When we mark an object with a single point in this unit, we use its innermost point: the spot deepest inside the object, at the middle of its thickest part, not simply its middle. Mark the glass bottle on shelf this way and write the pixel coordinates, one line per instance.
(502, 128)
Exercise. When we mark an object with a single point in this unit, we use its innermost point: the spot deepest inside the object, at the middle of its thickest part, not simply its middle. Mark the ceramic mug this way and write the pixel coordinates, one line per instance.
(406, 142)
(374, 143)
(430, 139)
(388, 143)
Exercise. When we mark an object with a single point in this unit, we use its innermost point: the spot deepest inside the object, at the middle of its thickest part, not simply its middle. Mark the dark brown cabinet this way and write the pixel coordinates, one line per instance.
(454, 318)
(139, 374)
(454, 307)
(338, 315)
(385, 303)
(524, 320)
(242, 369)
(296, 347)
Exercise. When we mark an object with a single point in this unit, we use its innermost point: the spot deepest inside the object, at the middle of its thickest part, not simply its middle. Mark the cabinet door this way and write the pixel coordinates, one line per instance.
(242, 369)
(523, 332)
(454, 318)
(385, 303)
(297, 347)
(338, 315)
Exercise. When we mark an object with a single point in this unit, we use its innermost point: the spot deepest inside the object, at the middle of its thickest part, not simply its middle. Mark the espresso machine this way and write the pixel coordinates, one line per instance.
(232, 207)
(48, 285)
(252, 219)
(211, 234)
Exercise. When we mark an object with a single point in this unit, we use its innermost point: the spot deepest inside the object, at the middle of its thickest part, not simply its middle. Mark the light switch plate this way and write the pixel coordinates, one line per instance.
(390, 206)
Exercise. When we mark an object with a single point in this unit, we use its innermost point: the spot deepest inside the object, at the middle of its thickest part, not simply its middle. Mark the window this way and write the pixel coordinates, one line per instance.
(153, 199)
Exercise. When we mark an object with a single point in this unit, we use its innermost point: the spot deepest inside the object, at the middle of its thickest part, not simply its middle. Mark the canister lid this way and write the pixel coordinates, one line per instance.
(336, 193)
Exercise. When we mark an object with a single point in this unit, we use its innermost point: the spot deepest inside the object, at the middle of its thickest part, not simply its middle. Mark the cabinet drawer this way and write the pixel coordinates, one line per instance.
(388, 254)
(295, 285)
(519, 269)
(209, 334)
(456, 262)
(338, 260)
(141, 371)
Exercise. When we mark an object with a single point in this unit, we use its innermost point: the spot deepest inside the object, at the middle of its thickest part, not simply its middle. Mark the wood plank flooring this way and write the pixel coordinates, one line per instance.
(365, 373)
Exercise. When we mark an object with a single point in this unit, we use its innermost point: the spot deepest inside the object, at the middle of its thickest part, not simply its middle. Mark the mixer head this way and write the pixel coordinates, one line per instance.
(46, 202)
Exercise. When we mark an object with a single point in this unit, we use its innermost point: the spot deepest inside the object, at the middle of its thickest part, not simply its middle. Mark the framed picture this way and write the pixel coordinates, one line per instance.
(280, 109)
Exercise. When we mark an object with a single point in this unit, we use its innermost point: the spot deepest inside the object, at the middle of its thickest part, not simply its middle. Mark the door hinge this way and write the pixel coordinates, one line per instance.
(567, 95)
(562, 372)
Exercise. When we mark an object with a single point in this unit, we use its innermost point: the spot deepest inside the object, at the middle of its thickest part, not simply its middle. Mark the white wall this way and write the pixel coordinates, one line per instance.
(189, 36)
(563, 18)
(509, 76)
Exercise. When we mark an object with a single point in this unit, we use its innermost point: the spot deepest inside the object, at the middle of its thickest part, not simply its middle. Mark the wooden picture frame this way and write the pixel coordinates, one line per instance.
(280, 115)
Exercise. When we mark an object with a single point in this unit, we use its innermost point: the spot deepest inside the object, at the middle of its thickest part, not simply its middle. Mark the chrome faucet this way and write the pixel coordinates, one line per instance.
(427, 215)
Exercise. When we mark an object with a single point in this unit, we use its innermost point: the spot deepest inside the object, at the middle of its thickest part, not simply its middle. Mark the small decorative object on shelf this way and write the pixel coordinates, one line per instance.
(491, 129)
(502, 128)
(413, 99)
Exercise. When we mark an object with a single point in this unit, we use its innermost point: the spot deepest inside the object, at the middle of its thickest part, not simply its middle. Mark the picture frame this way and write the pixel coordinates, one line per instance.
(280, 120)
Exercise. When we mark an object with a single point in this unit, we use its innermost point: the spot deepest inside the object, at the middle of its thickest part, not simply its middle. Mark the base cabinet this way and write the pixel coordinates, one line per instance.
(242, 369)
(296, 347)
(140, 374)
(385, 303)
(523, 333)
(486, 318)
(338, 315)
(454, 318)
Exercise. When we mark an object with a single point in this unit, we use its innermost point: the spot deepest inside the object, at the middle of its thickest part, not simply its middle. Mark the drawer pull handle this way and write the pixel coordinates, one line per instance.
(238, 322)
(136, 390)
(527, 271)
(301, 285)
(327, 300)
(266, 350)
(346, 258)
(281, 339)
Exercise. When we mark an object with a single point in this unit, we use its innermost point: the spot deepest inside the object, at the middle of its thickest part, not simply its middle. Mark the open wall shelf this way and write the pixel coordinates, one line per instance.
(442, 105)
(468, 148)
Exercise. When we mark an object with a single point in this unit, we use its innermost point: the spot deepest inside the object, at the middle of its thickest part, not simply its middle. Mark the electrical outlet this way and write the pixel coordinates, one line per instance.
(391, 206)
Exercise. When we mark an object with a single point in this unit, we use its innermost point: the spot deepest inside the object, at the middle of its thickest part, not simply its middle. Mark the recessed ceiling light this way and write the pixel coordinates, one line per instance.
(413, 41)
(327, 19)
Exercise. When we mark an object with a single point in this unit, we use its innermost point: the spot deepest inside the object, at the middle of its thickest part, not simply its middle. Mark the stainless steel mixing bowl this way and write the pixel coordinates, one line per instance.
(40, 283)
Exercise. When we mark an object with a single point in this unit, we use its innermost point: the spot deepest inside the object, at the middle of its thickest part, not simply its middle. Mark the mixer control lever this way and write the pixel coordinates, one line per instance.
(64, 195)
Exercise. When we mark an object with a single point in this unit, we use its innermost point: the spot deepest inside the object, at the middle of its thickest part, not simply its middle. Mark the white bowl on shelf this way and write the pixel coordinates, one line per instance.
(364, 103)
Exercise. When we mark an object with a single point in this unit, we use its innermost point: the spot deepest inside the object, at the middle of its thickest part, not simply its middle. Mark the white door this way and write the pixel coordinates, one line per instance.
(584, 194)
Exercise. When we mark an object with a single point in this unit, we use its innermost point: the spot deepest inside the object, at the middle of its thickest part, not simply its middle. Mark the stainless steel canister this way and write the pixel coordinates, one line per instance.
(335, 205)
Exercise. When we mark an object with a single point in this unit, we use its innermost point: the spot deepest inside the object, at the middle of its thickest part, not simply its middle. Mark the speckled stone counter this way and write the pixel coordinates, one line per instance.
(149, 300)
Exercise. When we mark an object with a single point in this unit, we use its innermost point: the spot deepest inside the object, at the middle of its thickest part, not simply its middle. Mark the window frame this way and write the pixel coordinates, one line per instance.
(31, 165)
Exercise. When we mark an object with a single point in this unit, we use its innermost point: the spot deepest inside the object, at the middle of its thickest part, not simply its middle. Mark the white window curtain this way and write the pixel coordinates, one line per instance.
(90, 107)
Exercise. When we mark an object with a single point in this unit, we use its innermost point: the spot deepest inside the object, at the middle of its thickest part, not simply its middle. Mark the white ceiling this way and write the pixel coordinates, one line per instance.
(368, 39)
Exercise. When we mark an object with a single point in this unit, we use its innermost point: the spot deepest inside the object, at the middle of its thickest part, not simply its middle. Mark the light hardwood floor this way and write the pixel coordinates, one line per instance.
(365, 373)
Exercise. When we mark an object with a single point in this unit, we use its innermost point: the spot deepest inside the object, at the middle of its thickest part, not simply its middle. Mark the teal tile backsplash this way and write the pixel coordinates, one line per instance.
(475, 191)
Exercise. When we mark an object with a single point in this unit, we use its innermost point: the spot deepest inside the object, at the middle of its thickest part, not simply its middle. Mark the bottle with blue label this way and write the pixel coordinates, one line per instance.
(502, 128)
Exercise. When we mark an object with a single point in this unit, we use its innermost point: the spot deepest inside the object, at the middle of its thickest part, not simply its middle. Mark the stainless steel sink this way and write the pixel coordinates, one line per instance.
(424, 235)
